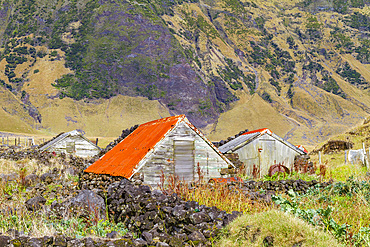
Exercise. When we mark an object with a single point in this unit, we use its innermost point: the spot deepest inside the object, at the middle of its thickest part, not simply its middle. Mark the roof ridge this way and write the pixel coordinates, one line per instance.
(262, 130)
(161, 120)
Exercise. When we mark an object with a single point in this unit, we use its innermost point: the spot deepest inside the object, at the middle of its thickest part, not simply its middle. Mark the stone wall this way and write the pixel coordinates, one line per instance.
(91, 181)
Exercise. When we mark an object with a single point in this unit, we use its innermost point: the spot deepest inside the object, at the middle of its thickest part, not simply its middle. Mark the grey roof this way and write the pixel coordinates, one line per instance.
(243, 140)
(61, 137)
(236, 142)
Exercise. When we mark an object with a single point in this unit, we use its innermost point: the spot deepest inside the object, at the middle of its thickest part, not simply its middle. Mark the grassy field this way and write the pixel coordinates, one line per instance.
(332, 216)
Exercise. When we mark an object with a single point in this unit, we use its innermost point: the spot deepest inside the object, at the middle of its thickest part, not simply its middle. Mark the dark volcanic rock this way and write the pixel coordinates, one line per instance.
(112, 234)
(8, 177)
(196, 236)
(197, 218)
(47, 178)
(88, 203)
(268, 241)
(4, 240)
(31, 179)
(35, 203)
(155, 216)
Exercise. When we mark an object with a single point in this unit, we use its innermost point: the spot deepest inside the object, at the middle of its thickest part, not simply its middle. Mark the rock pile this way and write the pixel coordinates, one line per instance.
(157, 217)
(234, 158)
(12, 154)
(45, 158)
(262, 190)
(60, 240)
(334, 146)
(97, 181)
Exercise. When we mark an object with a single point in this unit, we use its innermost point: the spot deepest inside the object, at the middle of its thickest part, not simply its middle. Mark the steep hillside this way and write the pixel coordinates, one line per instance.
(300, 68)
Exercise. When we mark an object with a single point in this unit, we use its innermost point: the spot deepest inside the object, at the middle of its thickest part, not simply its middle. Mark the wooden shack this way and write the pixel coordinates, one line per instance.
(71, 143)
(172, 145)
(260, 149)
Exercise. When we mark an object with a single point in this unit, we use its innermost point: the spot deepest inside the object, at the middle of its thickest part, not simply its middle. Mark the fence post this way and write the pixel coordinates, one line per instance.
(365, 156)
(345, 157)
(319, 157)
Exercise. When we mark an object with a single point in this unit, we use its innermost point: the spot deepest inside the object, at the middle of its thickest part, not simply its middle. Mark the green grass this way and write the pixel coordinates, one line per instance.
(286, 230)
(13, 195)
(337, 169)
(341, 209)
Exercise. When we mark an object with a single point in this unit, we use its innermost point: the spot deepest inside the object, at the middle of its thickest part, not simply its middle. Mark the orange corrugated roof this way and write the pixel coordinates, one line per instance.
(122, 159)
(259, 130)
(302, 148)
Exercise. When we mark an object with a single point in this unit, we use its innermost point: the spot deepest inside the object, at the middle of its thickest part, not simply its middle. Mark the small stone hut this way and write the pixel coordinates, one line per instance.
(260, 149)
(72, 142)
(172, 145)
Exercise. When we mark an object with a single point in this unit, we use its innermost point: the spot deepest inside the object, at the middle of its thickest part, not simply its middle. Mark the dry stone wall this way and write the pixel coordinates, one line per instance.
(91, 181)
(165, 218)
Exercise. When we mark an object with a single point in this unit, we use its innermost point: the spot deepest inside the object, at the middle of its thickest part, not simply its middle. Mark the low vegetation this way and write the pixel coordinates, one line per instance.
(273, 228)
(15, 190)
(331, 216)
(336, 214)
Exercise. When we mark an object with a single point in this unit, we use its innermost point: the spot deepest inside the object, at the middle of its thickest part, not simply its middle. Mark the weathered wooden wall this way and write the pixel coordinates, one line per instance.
(179, 153)
(271, 152)
(75, 145)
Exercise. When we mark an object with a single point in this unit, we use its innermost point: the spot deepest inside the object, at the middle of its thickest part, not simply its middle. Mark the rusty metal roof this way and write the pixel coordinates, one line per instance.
(247, 137)
(123, 159)
(260, 131)
(302, 148)
(225, 180)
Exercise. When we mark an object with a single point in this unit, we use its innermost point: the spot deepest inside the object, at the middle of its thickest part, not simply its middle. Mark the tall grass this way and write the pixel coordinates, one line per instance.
(221, 195)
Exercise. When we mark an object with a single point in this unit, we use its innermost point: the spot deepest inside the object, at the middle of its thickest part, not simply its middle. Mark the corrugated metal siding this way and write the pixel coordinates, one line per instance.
(271, 152)
(164, 157)
(183, 153)
(75, 145)
(267, 150)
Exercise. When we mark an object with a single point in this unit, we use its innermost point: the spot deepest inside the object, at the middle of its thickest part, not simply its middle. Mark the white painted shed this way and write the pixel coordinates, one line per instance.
(172, 145)
(72, 142)
(262, 148)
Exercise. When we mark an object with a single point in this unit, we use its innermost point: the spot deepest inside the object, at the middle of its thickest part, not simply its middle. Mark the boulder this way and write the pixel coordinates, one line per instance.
(31, 179)
(200, 217)
(87, 203)
(4, 240)
(35, 203)
(47, 178)
(196, 236)
(9, 177)
(112, 234)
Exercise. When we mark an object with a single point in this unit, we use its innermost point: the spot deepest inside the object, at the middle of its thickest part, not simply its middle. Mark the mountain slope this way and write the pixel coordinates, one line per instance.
(300, 68)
